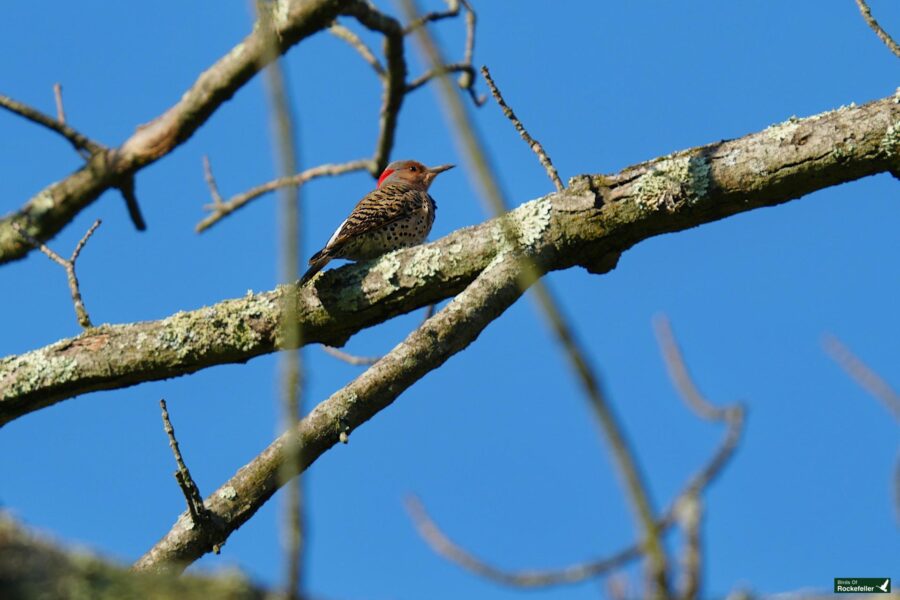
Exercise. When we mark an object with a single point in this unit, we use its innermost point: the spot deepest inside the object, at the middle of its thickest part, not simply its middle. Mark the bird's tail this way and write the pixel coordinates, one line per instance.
(316, 264)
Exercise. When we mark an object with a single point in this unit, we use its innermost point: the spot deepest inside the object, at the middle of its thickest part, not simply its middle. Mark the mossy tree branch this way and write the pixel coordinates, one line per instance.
(588, 224)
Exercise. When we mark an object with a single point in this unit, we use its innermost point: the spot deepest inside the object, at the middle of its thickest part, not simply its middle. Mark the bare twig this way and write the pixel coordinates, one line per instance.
(79, 141)
(69, 265)
(220, 209)
(198, 512)
(352, 359)
(341, 32)
(60, 111)
(623, 455)
(867, 378)
(532, 143)
(879, 31)
(211, 183)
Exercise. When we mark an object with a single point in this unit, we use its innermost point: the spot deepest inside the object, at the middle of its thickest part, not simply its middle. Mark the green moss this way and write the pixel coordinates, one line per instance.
(890, 143)
(424, 263)
(673, 181)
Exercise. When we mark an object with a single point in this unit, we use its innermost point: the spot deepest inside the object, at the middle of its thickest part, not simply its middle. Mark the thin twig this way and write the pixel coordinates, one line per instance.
(866, 377)
(69, 265)
(442, 545)
(192, 496)
(211, 183)
(430, 74)
(733, 416)
(221, 209)
(532, 143)
(79, 141)
(879, 31)
(341, 32)
(60, 111)
(352, 359)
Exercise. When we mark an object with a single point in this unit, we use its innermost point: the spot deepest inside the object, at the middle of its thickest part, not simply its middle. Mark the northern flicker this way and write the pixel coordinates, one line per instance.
(398, 213)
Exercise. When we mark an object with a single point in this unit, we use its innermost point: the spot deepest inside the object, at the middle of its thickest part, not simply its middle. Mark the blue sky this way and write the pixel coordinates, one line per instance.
(499, 443)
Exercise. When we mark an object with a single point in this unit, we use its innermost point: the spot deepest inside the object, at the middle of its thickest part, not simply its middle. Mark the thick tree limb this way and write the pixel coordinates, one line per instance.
(54, 206)
(425, 349)
(596, 217)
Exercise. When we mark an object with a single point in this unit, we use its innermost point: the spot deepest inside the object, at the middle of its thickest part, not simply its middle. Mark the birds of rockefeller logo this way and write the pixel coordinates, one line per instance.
(862, 585)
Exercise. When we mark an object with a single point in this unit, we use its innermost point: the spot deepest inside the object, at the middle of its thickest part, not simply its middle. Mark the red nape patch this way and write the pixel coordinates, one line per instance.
(385, 175)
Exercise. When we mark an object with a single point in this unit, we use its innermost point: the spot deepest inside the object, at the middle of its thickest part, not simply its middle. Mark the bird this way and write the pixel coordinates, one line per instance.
(398, 213)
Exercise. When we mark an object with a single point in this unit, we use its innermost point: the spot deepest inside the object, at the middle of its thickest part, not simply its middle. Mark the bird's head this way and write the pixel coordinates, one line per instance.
(411, 172)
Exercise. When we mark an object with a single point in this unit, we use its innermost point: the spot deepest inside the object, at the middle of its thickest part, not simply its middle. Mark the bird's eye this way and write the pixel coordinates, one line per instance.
(413, 168)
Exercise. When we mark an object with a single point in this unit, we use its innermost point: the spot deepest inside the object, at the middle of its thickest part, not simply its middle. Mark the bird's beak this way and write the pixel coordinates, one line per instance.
(440, 169)
(435, 171)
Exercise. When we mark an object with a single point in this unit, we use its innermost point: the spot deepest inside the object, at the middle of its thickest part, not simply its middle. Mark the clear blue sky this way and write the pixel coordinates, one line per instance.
(499, 443)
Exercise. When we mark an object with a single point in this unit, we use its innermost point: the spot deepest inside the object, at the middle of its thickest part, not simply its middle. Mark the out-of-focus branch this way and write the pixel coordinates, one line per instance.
(52, 208)
(878, 29)
(595, 218)
(60, 109)
(342, 33)
(689, 514)
(425, 349)
(78, 140)
(532, 143)
(684, 509)
(351, 359)
(867, 378)
(69, 265)
(293, 529)
(32, 567)
(623, 455)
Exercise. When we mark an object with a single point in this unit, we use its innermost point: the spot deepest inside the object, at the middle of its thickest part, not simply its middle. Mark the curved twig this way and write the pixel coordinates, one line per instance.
(878, 29)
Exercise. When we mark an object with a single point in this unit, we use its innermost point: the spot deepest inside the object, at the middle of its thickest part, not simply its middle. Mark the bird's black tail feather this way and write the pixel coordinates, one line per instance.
(317, 263)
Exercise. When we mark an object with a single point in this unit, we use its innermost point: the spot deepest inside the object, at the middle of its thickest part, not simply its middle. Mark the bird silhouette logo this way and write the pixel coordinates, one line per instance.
(886, 586)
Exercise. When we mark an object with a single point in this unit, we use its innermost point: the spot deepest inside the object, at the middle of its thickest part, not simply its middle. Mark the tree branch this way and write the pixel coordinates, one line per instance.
(532, 143)
(69, 265)
(425, 349)
(878, 29)
(58, 125)
(52, 208)
(596, 217)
